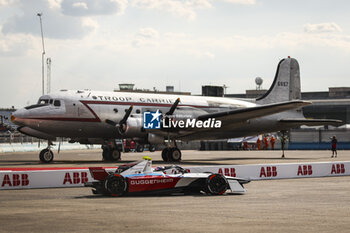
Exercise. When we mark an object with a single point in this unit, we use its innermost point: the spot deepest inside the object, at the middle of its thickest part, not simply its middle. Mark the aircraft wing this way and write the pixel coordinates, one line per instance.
(312, 122)
(239, 115)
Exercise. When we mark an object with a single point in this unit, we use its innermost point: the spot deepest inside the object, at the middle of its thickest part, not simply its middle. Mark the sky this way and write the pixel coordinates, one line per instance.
(97, 44)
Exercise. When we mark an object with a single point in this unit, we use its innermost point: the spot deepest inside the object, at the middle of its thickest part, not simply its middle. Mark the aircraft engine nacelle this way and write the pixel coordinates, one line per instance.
(132, 128)
(155, 139)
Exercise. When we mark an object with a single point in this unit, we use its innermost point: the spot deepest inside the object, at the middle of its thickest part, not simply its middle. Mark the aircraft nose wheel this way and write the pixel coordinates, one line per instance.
(171, 155)
(46, 156)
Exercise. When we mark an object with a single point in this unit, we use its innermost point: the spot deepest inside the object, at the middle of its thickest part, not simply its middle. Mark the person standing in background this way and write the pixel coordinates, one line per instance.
(334, 146)
(266, 143)
(284, 140)
(258, 143)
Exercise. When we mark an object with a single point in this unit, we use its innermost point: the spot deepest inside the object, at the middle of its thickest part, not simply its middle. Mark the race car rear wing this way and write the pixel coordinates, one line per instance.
(98, 173)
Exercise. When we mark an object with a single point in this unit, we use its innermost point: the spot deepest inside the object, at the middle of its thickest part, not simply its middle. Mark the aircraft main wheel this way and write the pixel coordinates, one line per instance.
(165, 153)
(114, 155)
(116, 185)
(152, 148)
(174, 154)
(216, 184)
(46, 156)
(140, 148)
(110, 154)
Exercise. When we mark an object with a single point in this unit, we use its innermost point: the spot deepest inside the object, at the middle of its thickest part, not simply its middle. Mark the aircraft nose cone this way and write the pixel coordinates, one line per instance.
(13, 118)
(17, 117)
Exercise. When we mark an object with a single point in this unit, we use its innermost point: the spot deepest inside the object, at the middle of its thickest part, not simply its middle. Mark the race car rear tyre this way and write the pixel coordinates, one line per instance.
(115, 185)
(216, 184)
(46, 156)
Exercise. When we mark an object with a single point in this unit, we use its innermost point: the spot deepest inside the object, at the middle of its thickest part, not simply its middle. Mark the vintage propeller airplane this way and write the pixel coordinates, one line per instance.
(93, 117)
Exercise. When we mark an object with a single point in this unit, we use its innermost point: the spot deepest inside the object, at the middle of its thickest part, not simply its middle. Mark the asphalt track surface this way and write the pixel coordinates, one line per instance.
(294, 205)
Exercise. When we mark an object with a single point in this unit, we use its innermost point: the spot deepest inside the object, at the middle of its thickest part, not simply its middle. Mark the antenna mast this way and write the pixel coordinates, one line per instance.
(43, 54)
(48, 75)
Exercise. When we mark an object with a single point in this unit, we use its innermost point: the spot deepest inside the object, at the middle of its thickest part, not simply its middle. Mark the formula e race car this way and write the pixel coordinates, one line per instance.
(141, 178)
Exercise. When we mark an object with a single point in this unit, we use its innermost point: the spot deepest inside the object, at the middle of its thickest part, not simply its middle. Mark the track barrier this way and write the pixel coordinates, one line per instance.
(27, 178)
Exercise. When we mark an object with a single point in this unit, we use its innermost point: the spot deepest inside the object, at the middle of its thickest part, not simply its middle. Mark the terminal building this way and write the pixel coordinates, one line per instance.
(331, 104)
(130, 87)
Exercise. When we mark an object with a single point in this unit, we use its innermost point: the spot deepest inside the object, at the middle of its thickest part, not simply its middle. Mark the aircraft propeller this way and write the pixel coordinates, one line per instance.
(122, 125)
(173, 107)
(171, 110)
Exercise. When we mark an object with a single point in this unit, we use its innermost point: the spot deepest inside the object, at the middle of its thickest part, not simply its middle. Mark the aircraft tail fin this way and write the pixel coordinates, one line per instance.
(286, 85)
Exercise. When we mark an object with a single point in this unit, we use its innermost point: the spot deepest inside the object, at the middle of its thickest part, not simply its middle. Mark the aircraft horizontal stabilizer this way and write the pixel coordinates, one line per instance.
(312, 122)
(239, 115)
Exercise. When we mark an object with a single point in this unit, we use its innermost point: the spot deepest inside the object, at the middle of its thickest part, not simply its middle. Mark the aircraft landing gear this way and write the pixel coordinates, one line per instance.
(46, 155)
(152, 148)
(140, 148)
(111, 154)
(171, 154)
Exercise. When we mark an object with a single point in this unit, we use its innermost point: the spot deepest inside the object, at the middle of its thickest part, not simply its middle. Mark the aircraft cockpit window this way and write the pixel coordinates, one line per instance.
(57, 103)
(51, 101)
(43, 101)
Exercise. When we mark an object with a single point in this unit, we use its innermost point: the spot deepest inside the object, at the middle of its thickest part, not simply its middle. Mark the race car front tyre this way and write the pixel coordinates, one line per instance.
(115, 185)
(216, 184)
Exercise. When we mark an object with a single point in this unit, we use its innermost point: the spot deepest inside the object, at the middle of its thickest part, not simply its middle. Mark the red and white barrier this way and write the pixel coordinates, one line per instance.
(26, 178)
(21, 178)
(279, 171)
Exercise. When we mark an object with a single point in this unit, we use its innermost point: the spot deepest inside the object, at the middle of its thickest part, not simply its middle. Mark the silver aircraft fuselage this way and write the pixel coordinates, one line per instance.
(82, 114)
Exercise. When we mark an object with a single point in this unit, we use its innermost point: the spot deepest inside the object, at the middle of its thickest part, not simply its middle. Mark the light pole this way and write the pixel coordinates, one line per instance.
(43, 54)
